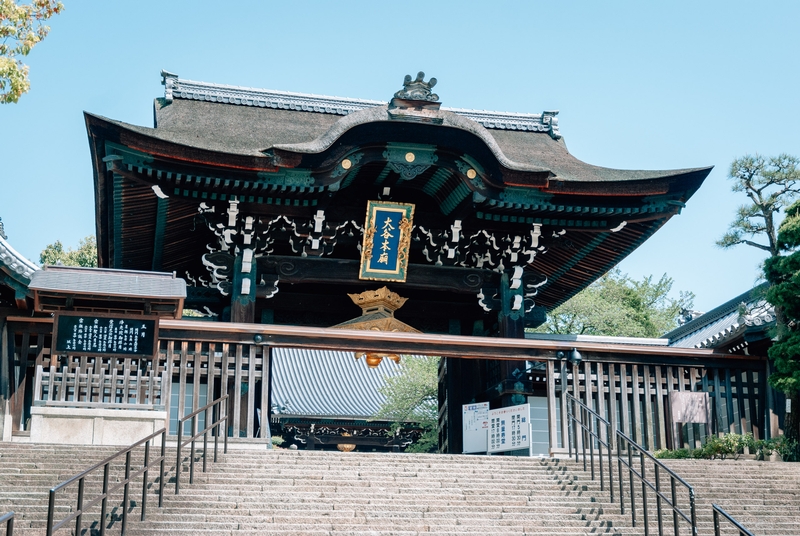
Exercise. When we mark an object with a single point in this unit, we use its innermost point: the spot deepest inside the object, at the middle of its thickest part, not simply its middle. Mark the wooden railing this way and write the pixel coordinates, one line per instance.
(85, 389)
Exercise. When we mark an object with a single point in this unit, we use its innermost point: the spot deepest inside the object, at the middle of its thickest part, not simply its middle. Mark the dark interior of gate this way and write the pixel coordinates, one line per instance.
(261, 201)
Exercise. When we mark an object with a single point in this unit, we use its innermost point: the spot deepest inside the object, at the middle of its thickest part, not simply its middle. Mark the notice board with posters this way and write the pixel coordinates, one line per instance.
(510, 428)
(475, 427)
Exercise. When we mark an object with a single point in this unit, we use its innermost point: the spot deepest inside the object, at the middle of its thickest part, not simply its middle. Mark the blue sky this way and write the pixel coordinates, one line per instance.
(639, 85)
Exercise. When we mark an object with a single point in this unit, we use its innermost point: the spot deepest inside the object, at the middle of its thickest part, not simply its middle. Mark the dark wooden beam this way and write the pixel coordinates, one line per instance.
(341, 271)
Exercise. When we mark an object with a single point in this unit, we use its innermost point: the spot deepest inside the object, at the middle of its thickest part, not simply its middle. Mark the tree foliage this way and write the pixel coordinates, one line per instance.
(617, 305)
(771, 184)
(21, 28)
(85, 255)
(412, 400)
(783, 274)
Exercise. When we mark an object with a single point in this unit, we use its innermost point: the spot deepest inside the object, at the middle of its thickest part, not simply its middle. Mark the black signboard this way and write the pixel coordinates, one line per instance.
(104, 334)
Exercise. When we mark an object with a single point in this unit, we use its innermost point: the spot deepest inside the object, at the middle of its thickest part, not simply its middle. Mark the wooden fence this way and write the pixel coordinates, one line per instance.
(633, 397)
(82, 387)
(239, 370)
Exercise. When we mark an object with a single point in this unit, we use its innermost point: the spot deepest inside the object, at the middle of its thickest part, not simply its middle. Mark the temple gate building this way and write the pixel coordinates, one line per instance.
(274, 206)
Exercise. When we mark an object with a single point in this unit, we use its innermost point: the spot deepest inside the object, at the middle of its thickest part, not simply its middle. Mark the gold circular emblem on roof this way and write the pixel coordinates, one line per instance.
(410, 157)
(346, 163)
(471, 173)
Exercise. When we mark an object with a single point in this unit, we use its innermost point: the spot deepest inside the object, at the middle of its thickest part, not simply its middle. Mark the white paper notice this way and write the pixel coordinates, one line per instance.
(509, 428)
(475, 424)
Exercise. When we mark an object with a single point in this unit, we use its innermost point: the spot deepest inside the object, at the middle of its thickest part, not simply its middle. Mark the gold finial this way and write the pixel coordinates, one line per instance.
(390, 301)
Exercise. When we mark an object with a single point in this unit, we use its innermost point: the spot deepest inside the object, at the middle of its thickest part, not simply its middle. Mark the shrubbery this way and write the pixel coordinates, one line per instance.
(733, 445)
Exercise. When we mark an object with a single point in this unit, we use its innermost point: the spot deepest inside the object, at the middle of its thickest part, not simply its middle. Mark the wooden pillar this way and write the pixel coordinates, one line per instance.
(512, 312)
(564, 404)
(243, 291)
(773, 424)
(551, 404)
(266, 390)
(5, 384)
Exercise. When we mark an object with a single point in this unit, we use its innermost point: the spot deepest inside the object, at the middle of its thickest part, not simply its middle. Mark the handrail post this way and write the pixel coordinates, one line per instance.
(645, 517)
(630, 474)
(718, 511)
(205, 440)
(693, 510)
(571, 428)
(227, 413)
(590, 440)
(144, 479)
(674, 505)
(191, 460)
(583, 438)
(104, 502)
(216, 413)
(125, 491)
(178, 464)
(10, 525)
(658, 503)
(51, 504)
(610, 462)
(161, 471)
(79, 507)
(600, 457)
(621, 479)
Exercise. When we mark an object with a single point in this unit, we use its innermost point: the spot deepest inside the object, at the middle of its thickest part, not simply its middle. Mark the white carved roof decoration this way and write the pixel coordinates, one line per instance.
(15, 261)
(247, 96)
(724, 323)
(759, 313)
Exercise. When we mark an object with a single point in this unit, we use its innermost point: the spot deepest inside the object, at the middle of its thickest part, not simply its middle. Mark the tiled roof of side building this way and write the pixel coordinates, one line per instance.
(723, 323)
(108, 282)
(327, 384)
(599, 339)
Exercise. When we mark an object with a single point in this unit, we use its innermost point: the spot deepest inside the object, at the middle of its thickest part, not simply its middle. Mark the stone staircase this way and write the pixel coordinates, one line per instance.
(762, 496)
(324, 493)
(330, 493)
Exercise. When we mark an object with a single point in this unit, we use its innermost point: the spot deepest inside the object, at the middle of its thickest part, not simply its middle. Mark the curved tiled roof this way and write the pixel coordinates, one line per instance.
(248, 121)
(175, 87)
(15, 264)
(724, 323)
(327, 384)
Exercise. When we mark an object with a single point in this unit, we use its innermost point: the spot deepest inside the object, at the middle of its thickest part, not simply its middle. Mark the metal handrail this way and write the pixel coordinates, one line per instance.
(80, 508)
(193, 416)
(594, 421)
(9, 521)
(672, 502)
(717, 511)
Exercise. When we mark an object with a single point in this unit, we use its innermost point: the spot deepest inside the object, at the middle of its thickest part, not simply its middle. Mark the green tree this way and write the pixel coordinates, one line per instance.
(85, 255)
(412, 400)
(617, 305)
(772, 184)
(783, 274)
(21, 28)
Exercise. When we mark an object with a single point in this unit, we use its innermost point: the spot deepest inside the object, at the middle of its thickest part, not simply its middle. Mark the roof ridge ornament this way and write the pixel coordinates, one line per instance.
(415, 102)
(178, 88)
(417, 89)
(168, 80)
